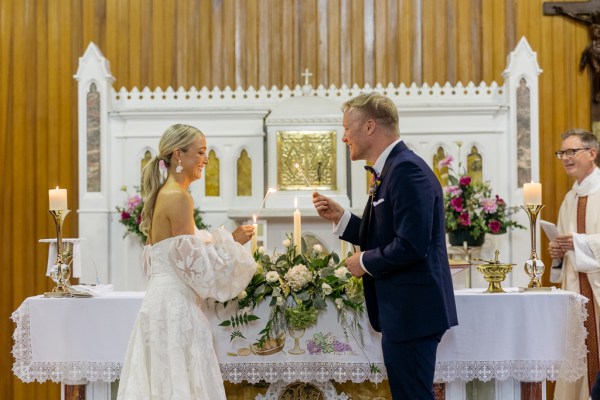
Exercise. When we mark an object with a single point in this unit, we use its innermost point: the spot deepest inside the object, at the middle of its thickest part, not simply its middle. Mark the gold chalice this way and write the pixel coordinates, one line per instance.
(494, 272)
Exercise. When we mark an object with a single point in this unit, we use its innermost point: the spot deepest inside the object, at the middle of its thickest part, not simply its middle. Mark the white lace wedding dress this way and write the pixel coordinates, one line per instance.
(170, 354)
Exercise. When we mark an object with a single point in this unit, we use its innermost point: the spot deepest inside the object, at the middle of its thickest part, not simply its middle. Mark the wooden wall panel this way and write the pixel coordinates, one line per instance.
(241, 43)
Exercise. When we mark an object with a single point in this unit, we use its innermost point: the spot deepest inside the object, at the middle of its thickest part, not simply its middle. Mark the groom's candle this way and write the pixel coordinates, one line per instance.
(297, 228)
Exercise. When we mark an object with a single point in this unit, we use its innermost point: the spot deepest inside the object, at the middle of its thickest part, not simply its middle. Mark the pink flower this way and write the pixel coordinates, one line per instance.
(464, 220)
(457, 204)
(139, 219)
(446, 162)
(464, 180)
(499, 201)
(161, 165)
(494, 226)
(134, 201)
(125, 216)
(453, 190)
(489, 205)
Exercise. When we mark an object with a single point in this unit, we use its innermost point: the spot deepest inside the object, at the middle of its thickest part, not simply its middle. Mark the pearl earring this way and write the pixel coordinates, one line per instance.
(179, 168)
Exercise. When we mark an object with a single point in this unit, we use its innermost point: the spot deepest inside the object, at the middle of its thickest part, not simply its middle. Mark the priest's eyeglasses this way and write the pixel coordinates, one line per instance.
(569, 153)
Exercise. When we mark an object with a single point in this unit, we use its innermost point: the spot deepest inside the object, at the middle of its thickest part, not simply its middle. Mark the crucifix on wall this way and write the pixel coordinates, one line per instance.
(588, 14)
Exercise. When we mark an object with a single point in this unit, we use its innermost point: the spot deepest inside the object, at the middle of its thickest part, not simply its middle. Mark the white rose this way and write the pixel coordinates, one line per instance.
(242, 295)
(326, 288)
(317, 248)
(280, 301)
(272, 276)
(245, 311)
(286, 243)
(341, 273)
(339, 303)
(261, 250)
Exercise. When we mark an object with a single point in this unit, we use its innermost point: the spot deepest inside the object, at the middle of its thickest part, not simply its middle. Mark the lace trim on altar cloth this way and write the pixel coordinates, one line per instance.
(304, 372)
(74, 371)
(570, 369)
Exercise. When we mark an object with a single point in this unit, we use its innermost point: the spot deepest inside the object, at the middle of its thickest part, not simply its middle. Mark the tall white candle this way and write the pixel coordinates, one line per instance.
(532, 193)
(297, 228)
(254, 238)
(58, 199)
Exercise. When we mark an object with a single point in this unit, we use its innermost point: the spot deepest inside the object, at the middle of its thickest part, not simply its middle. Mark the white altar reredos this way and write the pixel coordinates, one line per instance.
(247, 132)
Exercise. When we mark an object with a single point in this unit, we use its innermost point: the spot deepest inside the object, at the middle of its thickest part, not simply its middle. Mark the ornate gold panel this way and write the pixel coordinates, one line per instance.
(244, 174)
(212, 184)
(314, 151)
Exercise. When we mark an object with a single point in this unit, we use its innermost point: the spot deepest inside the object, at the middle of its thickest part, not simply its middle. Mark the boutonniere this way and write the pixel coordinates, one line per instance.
(375, 180)
(375, 183)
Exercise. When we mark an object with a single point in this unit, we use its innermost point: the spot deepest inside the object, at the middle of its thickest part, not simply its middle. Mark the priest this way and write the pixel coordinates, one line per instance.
(576, 251)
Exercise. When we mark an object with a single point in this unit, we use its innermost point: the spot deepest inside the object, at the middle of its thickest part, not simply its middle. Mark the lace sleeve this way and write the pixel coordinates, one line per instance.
(219, 268)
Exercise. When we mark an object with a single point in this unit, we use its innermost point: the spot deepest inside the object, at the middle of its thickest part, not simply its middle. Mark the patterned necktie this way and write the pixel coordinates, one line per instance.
(586, 290)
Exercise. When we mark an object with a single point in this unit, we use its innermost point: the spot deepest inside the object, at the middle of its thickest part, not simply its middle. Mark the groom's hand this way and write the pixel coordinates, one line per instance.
(327, 208)
(353, 265)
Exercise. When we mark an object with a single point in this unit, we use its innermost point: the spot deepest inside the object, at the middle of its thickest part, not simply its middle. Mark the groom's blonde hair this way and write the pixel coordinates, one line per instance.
(376, 106)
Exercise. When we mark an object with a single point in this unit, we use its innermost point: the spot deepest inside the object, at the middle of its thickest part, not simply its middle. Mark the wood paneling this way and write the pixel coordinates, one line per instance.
(241, 43)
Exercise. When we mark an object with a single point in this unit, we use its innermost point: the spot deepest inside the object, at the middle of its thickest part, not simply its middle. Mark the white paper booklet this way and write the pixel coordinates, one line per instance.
(550, 229)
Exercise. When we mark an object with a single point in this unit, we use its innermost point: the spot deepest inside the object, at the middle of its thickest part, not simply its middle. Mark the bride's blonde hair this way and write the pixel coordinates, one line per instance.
(177, 136)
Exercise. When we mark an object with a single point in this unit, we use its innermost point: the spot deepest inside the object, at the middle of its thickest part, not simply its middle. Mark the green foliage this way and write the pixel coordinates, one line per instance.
(297, 287)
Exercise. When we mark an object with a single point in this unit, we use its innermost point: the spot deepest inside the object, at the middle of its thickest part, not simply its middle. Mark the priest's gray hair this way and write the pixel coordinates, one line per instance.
(588, 139)
(176, 137)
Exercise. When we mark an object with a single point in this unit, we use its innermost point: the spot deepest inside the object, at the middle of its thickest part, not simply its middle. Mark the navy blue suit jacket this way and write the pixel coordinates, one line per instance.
(409, 290)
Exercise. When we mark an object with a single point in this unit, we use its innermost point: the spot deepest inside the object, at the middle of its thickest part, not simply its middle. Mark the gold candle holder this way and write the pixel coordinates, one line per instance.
(61, 271)
(534, 267)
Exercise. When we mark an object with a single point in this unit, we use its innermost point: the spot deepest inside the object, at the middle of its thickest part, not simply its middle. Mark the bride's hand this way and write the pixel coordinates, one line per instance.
(243, 233)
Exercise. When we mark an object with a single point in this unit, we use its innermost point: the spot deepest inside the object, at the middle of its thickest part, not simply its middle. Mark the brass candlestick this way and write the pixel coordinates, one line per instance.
(61, 271)
(534, 267)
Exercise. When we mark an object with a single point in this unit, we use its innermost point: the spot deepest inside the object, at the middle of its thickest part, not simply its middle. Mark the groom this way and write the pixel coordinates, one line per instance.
(403, 262)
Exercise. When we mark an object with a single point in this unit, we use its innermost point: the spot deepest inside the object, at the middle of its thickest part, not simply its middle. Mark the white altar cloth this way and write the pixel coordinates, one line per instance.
(532, 336)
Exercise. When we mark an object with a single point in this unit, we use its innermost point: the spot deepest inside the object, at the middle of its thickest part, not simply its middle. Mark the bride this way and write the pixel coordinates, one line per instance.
(170, 353)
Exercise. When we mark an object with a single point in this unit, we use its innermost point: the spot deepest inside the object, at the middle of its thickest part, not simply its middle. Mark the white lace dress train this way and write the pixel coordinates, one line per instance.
(170, 354)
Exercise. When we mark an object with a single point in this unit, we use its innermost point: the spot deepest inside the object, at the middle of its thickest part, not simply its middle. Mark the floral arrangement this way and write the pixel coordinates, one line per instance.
(472, 207)
(298, 287)
(131, 215)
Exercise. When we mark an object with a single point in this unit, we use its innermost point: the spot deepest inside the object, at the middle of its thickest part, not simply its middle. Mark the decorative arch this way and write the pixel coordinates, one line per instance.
(212, 184)
(244, 174)
(475, 165)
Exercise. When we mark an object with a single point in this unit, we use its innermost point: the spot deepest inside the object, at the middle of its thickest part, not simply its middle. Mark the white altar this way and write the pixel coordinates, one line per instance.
(248, 133)
(509, 337)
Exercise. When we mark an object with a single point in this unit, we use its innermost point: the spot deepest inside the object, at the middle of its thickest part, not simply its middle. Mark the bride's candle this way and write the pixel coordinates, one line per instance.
(254, 239)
